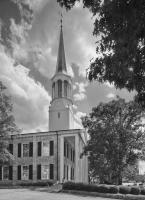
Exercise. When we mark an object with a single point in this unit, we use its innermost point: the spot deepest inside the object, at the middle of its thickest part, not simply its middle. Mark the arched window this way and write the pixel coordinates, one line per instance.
(53, 90)
(65, 88)
(59, 82)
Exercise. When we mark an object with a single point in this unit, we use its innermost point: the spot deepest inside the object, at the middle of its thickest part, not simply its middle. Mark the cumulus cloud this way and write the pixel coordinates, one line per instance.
(81, 91)
(30, 99)
(77, 117)
(110, 95)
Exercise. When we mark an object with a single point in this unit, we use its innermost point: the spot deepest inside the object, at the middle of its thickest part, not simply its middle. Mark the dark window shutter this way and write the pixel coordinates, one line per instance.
(67, 151)
(30, 172)
(38, 172)
(51, 148)
(67, 172)
(64, 149)
(11, 148)
(64, 172)
(19, 172)
(31, 149)
(0, 172)
(51, 171)
(19, 150)
(39, 149)
(10, 172)
(73, 155)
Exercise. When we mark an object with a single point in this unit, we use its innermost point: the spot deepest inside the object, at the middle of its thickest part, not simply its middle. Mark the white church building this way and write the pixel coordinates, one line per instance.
(56, 154)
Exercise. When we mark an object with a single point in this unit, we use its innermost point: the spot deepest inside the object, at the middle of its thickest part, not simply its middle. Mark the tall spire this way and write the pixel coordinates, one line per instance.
(61, 63)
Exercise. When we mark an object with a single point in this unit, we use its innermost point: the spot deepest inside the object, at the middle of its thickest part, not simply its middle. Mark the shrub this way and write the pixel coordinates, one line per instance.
(41, 183)
(124, 189)
(103, 188)
(113, 189)
(135, 190)
(142, 191)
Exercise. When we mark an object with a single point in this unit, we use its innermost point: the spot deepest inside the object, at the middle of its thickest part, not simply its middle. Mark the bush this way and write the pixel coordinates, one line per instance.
(124, 189)
(36, 183)
(102, 189)
(142, 191)
(113, 189)
(135, 190)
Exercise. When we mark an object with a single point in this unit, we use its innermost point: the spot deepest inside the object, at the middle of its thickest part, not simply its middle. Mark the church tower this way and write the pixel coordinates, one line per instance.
(60, 110)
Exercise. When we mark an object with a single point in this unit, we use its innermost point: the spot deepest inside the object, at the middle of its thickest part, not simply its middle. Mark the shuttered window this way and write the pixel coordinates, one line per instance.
(51, 171)
(0, 172)
(19, 172)
(39, 149)
(10, 172)
(19, 150)
(30, 172)
(31, 149)
(51, 148)
(11, 148)
(38, 172)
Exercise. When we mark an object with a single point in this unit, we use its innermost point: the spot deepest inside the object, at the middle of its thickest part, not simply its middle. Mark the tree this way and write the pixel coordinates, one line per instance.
(117, 138)
(120, 26)
(7, 124)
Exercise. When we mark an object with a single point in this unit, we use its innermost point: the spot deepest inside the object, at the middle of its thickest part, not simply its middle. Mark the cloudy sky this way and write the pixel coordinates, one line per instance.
(29, 34)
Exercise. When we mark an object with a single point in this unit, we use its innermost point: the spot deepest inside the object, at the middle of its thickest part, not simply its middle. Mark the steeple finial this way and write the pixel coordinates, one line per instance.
(61, 20)
(61, 63)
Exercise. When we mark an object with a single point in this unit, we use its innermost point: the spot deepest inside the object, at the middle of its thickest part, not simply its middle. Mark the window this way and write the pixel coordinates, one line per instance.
(58, 114)
(59, 82)
(11, 148)
(46, 148)
(25, 173)
(51, 171)
(39, 148)
(65, 88)
(19, 172)
(45, 172)
(5, 173)
(30, 172)
(53, 90)
(25, 150)
(31, 149)
(51, 148)
(38, 172)
(67, 150)
(19, 150)
(10, 172)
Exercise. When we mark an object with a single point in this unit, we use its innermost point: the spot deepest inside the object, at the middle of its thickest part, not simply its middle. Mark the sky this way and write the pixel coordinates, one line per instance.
(29, 36)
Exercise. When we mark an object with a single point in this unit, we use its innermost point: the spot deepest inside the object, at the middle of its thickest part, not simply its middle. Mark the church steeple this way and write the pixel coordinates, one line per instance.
(61, 63)
(60, 110)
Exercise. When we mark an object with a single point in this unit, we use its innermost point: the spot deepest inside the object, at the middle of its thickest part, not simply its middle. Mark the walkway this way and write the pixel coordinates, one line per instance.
(40, 194)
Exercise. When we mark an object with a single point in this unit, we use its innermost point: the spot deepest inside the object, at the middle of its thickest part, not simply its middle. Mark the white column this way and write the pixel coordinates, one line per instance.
(76, 158)
(61, 158)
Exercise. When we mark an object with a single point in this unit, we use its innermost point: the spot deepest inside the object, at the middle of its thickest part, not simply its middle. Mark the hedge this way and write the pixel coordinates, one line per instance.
(112, 189)
(40, 183)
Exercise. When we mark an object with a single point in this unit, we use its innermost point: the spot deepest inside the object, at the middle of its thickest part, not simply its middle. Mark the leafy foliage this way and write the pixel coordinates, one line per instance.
(120, 26)
(116, 138)
(7, 124)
